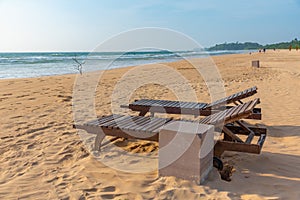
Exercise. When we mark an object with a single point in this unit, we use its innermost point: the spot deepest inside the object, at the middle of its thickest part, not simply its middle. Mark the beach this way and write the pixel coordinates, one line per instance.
(43, 157)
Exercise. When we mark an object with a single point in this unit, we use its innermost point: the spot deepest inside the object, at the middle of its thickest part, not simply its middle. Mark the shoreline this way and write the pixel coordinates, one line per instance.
(124, 65)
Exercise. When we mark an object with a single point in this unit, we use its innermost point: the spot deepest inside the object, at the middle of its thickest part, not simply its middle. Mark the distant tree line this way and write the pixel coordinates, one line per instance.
(251, 45)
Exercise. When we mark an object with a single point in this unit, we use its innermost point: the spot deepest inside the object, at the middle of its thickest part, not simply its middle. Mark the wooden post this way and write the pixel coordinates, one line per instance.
(255, 63)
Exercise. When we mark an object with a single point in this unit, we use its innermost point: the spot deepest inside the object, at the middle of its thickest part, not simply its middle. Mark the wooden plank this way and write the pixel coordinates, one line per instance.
(232, 135)
(133, 134)
(240, 131)
(125, 122)
(154, 124)
(99, 120)
(201, 105)
(238, 109)
(107, 119)
(244, 108)
(146, 102)
(133, 123)
(230, 96)
(158, 126)
(153, 121)
(139, 102)
(250, 137)
(161, 103)
(261, 140)
(164, 103)
(222, 118)
(250, 132)
(214, 118)
(143, 112)
(139, 123)
(173, 104)
(222, 146)
(253, 104)
(112, 122)
(231, 111)
(206, 119)
(187, 105)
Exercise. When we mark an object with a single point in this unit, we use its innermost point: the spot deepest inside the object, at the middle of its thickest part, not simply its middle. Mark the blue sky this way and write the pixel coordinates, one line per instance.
(80, 25)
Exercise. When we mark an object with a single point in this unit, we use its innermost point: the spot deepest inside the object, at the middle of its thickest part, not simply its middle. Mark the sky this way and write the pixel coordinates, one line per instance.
(81, 25)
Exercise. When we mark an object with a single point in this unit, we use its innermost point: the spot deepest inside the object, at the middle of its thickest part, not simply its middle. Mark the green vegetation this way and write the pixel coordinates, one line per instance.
(284, 45)
(235, 46)
(251, 45)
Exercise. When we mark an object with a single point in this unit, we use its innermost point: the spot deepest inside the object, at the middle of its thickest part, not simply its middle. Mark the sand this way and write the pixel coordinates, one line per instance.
(43, 157)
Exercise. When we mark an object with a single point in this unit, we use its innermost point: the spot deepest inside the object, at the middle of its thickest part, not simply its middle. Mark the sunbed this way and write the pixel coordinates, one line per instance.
(143, 106)
(148, 128)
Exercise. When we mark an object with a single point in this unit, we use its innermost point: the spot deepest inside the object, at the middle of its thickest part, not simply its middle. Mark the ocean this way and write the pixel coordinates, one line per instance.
(26, 65)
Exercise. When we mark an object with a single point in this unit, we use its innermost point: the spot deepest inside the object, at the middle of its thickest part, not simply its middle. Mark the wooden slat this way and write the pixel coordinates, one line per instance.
(201, 105)
(238, 109)
(252, 105)
(231, 111)
(153, 121)
(147, 102)
(139, 123)
(240, 131)
(158, 126)
(216, 116)
(205, 120)
(104, 119)
(99, 120)
(261, 140)
(125, 122)
(251, 134)
(172, 104)
(186, 105)
(232, 135)
(139, 102)
(108, 119)
(222, 118)
(250, 137)
(222, 146)
(244, 108)
(111, 123)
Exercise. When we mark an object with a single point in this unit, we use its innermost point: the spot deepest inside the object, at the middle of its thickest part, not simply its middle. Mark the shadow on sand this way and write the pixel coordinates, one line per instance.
(272, 175)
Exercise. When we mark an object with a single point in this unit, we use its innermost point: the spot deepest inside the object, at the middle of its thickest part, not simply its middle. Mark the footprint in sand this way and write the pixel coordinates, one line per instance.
(90, 190)
(30, 99)
(108, 196)
(21, 96)
(30, 146)
(109, 189)
(7, 94)
(16, 117)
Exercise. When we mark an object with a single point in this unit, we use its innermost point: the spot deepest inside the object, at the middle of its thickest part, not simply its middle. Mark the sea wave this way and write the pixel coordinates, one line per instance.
(23, 65)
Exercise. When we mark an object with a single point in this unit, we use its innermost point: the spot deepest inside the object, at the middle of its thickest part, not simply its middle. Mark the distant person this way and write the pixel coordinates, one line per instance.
(274, 49)
(290, 47)
(264, 50)
(259, 50)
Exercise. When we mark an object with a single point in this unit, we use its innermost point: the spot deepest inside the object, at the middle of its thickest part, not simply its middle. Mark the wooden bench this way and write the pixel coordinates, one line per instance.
(148, 128)
(192, 108)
